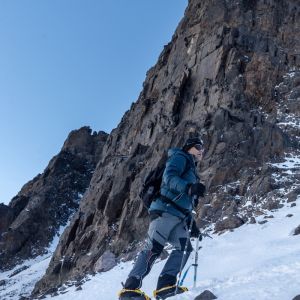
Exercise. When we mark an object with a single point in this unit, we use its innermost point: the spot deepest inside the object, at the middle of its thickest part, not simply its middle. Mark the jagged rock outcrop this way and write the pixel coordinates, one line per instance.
(231, 73)
(32, 218)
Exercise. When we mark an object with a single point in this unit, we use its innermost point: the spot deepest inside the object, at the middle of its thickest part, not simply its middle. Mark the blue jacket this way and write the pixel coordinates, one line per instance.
(180, 172)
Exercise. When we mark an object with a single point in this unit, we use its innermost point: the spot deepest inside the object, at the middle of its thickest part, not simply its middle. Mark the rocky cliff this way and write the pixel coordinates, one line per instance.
(230, 73)
(32, 218)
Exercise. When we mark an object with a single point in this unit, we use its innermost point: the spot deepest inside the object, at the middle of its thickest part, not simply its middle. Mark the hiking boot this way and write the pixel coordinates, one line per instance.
(168, 291)
(126, 294)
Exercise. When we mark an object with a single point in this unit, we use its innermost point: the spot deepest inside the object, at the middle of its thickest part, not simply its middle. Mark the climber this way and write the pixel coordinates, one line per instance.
(169, 223)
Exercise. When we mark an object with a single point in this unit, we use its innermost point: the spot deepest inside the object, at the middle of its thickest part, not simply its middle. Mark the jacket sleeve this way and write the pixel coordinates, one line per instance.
(175, 167)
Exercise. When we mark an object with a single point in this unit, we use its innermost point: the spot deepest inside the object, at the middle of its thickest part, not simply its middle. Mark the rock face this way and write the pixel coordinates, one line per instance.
(230, 73)
(33, 217)
(6, 217)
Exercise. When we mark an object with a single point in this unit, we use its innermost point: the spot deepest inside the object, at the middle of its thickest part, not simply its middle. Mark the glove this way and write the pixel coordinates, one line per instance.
(197, 189)
(195, 232)
(195, 202)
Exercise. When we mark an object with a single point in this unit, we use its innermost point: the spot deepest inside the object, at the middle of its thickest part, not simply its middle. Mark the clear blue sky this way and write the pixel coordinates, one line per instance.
(65, 64)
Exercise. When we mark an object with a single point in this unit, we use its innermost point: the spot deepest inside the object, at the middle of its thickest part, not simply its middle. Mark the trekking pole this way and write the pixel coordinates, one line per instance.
(196, 262)
(187, 270)
(184, 275)
(185, 250)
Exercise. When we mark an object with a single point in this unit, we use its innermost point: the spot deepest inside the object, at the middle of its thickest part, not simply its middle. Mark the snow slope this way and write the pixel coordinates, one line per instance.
(260, 262)
(23, 282)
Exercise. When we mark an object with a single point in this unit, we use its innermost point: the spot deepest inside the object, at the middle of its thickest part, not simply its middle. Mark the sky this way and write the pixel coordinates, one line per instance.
(65, 64)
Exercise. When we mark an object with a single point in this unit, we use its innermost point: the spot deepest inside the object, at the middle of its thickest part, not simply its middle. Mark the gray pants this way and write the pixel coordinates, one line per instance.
(162, 229)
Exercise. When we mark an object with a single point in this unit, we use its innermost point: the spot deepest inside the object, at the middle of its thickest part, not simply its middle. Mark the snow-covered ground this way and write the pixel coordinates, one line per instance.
(260, 262)
(23, 282)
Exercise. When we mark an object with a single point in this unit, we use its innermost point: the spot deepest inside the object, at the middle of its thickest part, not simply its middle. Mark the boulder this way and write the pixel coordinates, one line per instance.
(106, 262)
(297, 230)
(229, 222)
(206, 295)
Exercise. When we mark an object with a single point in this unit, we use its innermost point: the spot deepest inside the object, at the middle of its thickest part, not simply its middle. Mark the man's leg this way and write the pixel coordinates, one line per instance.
(178, 238)
(143, 265)
(158, 233)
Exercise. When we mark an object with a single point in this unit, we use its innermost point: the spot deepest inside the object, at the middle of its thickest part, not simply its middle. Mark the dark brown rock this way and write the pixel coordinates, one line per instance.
(230, 222)
(292, 196)
(6, 217)
(106, 262)
(17, 271)
(297, 230)
(262, 222)
(206, 295)
(269, 217)
(272, 204)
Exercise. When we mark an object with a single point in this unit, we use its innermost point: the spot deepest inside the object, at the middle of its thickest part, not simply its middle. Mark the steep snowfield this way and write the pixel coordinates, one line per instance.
(23, 282)
(260, 262)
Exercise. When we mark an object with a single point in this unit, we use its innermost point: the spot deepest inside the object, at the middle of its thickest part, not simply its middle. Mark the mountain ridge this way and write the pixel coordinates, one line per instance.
(34, 215)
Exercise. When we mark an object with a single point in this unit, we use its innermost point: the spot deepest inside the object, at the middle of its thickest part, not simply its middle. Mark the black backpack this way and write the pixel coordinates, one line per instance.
(151, 187)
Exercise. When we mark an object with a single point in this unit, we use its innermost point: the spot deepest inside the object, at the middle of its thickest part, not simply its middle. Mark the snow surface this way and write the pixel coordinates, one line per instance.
(260, 262)
(23, 282)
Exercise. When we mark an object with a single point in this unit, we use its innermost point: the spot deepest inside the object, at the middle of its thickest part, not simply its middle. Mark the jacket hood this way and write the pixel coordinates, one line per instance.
(173, 151)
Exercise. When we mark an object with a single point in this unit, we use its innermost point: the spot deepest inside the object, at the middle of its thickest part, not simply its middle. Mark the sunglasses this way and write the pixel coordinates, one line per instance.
(199, 147)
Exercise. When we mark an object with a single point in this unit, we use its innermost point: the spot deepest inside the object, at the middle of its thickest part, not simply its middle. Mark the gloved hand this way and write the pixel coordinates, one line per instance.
(195, 202)
(195, 232)
(197, 189)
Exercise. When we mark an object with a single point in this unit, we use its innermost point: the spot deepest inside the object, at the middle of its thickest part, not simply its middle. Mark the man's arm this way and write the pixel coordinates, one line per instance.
(175, 167)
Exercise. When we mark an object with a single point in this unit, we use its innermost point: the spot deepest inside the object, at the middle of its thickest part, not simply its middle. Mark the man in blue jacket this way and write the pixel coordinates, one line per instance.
(169, 223)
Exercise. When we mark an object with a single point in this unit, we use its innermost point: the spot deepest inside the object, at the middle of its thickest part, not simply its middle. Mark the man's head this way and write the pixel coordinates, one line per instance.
(194, 146)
